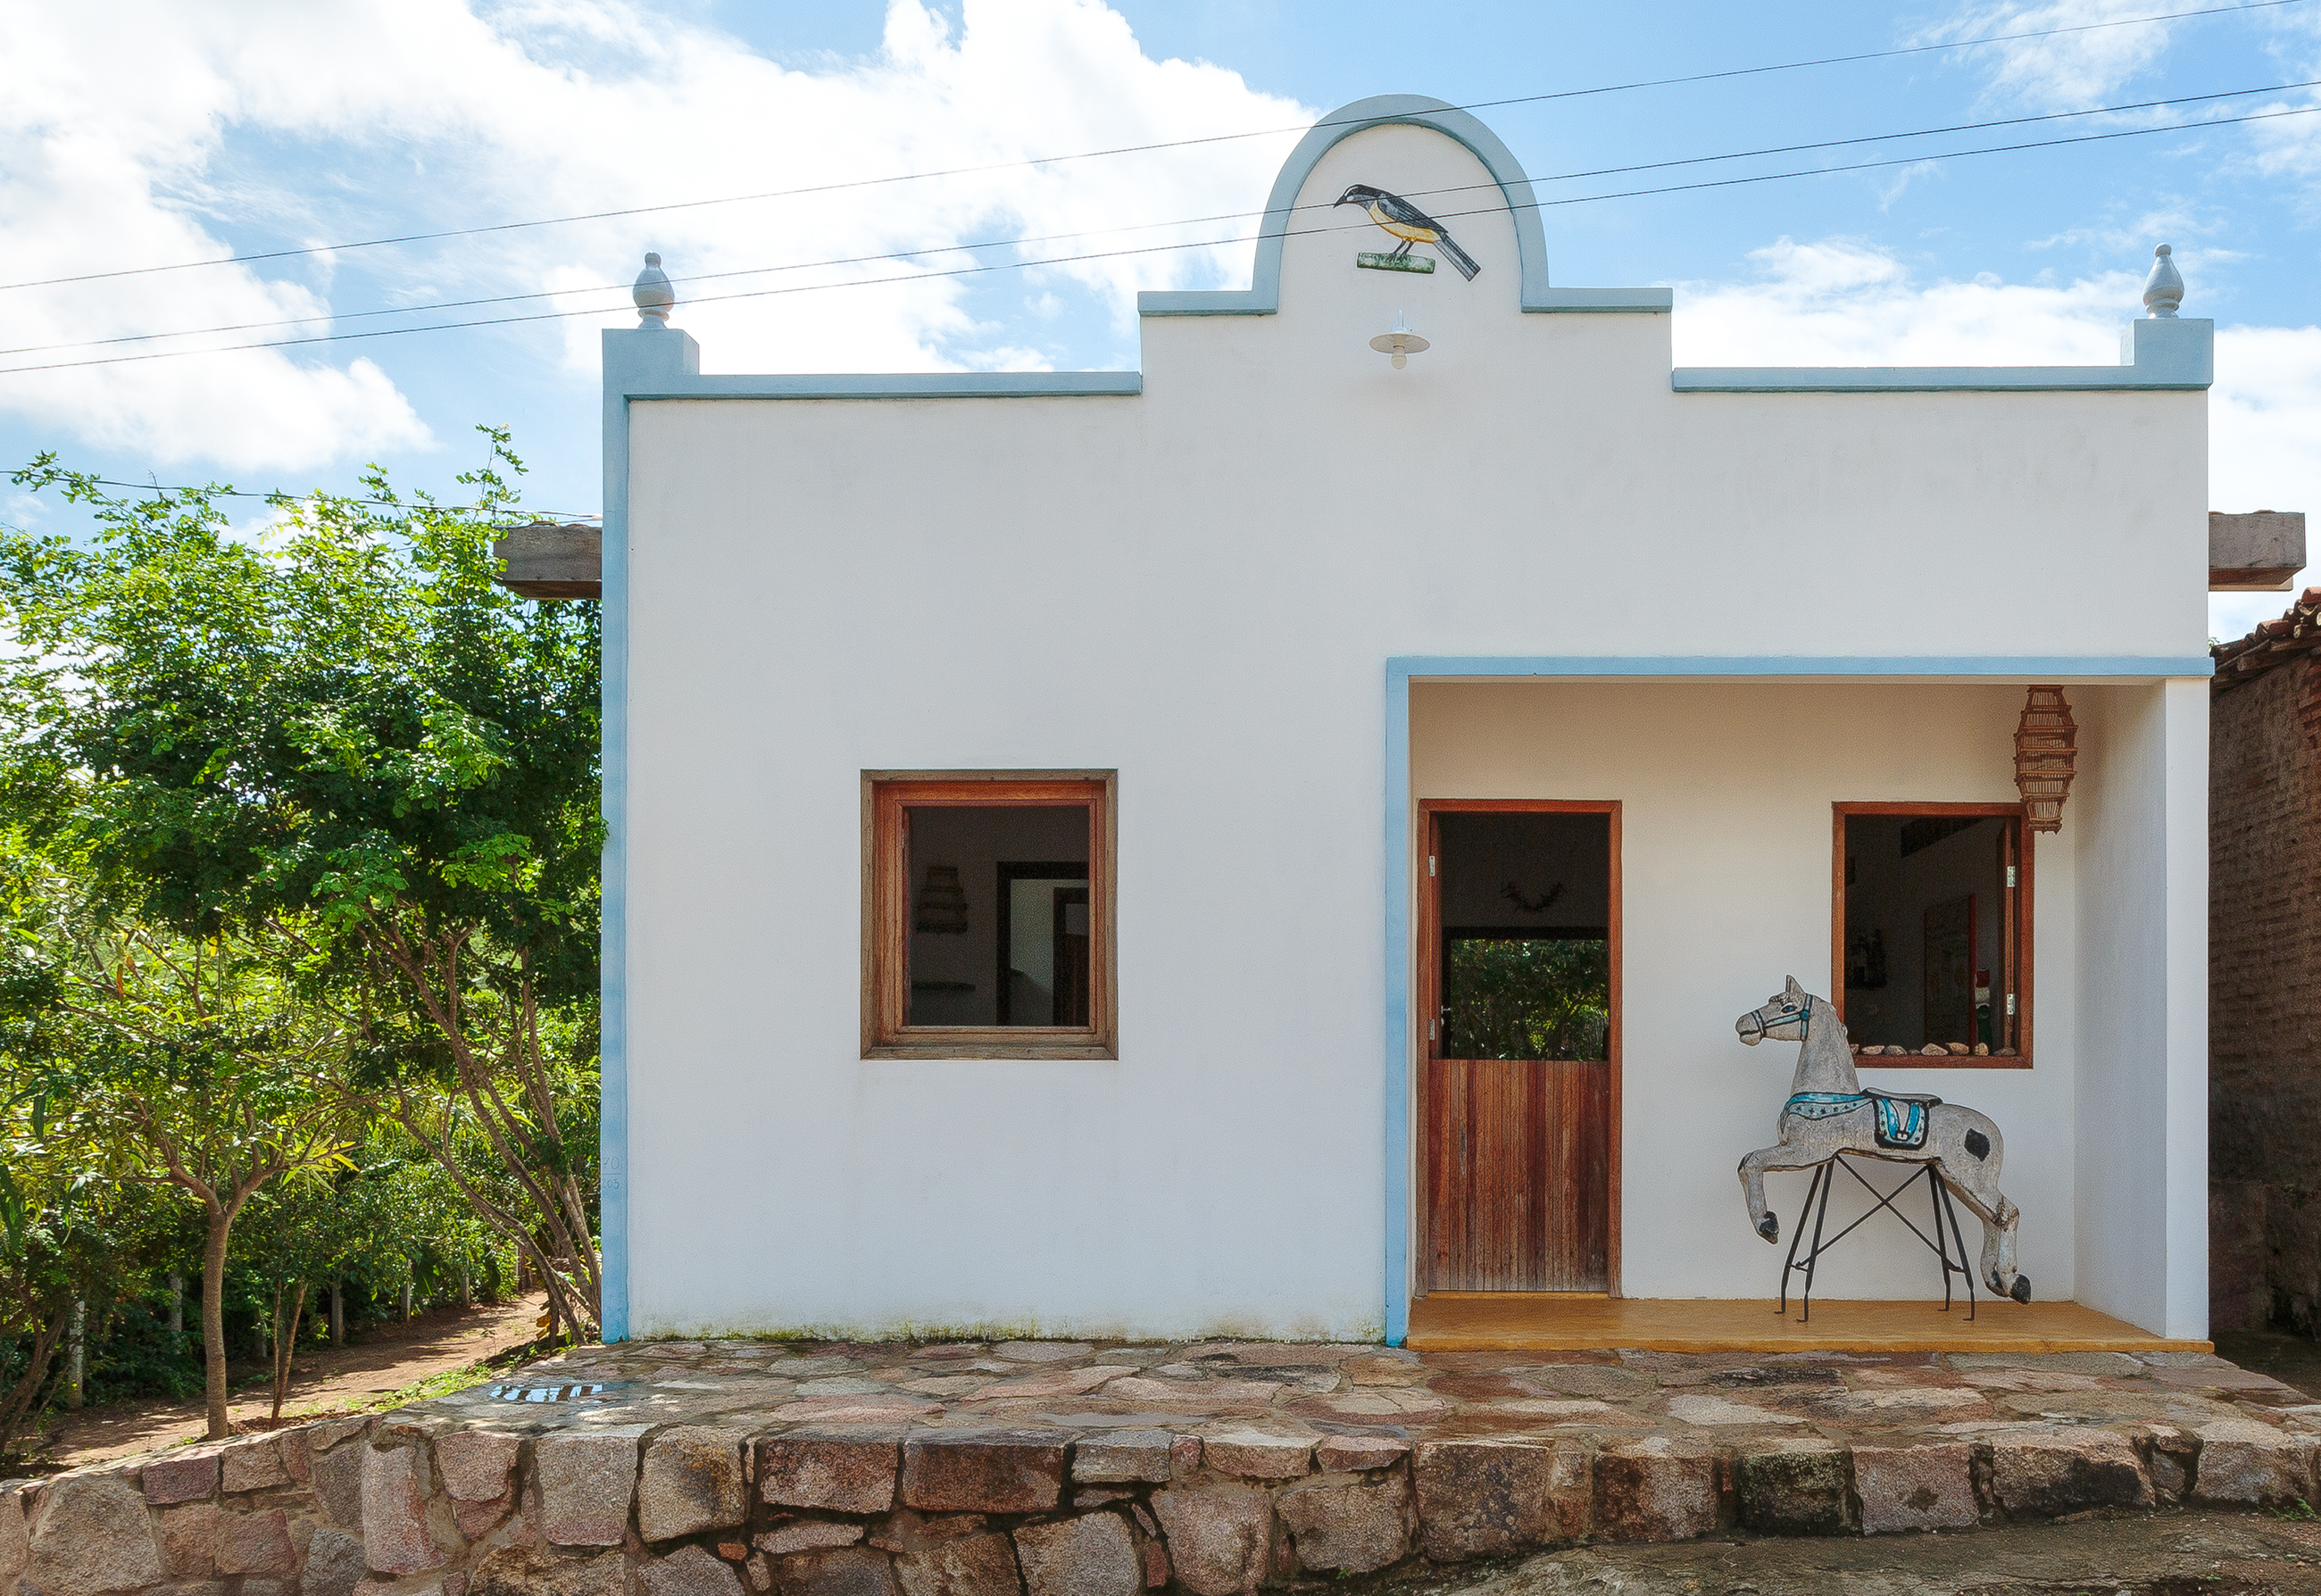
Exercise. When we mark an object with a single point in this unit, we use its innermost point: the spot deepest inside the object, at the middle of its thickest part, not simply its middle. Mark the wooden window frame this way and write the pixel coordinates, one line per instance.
(887, 796)
(1427, 985)
(2024, 985)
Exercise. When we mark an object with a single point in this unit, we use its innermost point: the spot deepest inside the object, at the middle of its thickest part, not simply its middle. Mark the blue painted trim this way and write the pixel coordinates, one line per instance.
(1263, 297)
(900, 385)
(635, 361)
(2030, 666)
(2156, 356)
(1604, 302)
(1402, 670)
(1398, 1005)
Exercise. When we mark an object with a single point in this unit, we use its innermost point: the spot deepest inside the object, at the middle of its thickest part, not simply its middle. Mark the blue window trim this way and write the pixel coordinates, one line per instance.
(2157, 355)
(1399, 804)
(893, 385)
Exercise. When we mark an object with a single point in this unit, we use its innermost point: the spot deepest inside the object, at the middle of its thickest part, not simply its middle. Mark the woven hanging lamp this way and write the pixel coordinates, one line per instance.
(2046, 749)
(942, 901)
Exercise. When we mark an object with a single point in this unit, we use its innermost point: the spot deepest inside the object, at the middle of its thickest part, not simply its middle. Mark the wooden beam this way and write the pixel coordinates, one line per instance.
(542, 560)
(2260, 551)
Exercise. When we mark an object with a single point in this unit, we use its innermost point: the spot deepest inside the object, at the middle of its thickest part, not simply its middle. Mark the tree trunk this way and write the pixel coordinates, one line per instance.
(406, 1301)
(23, 1395)
(338, 1314)
(554, 1318)
(467, 1293)
(213, 1320)
(77, 1355)
(285, 1345)
(177, 1308)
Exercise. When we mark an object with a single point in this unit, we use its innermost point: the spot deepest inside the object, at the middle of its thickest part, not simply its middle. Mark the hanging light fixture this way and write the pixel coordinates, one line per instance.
(942, 901)
(1399, 342)
(2046, 753)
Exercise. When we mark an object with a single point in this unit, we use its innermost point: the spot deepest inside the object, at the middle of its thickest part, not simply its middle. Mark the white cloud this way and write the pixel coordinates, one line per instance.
(81, 171)
(2264, 445)
(1840, 302)
(2068, 71)
(457, 114)
(2076, 70)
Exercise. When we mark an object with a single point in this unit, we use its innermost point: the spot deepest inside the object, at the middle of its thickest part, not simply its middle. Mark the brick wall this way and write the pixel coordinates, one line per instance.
(2264, 1000)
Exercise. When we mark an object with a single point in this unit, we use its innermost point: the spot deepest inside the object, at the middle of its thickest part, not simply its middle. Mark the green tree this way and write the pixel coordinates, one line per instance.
(72, 1242)
(295, 1236)
(346, 733)
(189, 1059)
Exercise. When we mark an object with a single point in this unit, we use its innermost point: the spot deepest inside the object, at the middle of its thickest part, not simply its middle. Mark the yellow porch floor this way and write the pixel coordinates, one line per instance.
(1496, 1321)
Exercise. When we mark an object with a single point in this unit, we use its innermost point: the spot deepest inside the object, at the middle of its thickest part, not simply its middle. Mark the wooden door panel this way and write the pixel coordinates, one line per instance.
(1517, 1163)
(1518, 1154)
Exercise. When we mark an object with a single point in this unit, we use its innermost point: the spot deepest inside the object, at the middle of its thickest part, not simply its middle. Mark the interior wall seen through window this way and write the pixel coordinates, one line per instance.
(982, 880)
(1927, 926)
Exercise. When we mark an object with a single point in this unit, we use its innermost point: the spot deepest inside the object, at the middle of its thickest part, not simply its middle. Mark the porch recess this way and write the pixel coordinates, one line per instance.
(1724, 771)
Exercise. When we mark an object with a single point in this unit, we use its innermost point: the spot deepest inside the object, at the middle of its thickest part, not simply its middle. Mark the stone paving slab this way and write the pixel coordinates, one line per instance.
(739, 1468)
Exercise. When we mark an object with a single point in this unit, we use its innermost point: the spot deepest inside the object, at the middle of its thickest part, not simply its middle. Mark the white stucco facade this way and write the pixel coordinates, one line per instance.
(1286, 592)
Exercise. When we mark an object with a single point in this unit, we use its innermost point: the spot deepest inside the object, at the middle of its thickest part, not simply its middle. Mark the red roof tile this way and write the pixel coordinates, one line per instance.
(2272, 643)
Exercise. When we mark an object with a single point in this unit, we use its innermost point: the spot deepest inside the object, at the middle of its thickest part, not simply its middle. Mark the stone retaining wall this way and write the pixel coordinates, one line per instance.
(410, 1504)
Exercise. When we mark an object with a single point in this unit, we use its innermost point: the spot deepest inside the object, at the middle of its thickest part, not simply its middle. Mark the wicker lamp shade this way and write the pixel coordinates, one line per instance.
(942, 901)
(2046, 749)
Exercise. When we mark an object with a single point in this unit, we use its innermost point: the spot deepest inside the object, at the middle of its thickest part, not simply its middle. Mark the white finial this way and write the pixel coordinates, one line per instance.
(2163, 290)
(653, 295)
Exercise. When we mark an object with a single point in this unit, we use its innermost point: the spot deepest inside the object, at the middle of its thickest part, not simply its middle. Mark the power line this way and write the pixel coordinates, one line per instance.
(1875, 55)
(1203, 243)
(1180, 222)
(1863, 165)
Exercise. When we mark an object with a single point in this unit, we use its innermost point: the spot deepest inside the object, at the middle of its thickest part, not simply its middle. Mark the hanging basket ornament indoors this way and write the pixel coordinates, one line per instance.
(2046, 748)
(942, 901)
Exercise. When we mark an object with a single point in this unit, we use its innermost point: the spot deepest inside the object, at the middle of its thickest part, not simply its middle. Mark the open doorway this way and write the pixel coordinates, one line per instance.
(1519, 981)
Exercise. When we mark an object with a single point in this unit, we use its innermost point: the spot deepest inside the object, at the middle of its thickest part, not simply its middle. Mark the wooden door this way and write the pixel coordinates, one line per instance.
(1518, 1156)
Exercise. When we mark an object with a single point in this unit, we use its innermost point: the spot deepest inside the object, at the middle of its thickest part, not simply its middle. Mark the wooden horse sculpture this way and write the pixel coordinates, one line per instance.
(1828, 1112)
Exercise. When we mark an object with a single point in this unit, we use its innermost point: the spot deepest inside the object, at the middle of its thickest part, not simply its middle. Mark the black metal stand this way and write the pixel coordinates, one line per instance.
(1824, 1179)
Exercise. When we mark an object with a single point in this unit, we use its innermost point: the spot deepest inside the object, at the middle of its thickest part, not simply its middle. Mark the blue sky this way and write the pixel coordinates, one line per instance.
(245, 128)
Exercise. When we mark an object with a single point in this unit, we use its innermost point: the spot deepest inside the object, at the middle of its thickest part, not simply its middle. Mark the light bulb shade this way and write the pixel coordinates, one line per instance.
(1399, 341)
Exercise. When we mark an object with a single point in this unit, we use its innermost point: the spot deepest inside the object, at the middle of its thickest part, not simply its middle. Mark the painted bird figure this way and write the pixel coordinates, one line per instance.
(1407, 222)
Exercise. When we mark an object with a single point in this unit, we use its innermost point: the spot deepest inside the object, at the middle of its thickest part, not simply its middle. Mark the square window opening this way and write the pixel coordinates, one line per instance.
(1934, 928)
(987, 916)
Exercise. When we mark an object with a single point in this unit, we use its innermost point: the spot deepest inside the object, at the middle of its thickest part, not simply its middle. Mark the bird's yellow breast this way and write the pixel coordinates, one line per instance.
(1417, 235)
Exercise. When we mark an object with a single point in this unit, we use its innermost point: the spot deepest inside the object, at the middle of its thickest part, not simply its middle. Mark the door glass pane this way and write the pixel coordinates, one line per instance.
(999, 915)
(1526, 997)
(1526, 906)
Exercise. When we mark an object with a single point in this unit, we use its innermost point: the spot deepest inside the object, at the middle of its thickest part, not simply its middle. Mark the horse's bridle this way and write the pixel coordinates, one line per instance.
(1804, 1016)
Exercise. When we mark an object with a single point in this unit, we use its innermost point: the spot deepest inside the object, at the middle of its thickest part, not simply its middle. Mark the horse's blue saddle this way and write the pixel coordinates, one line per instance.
(1901, 1118)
